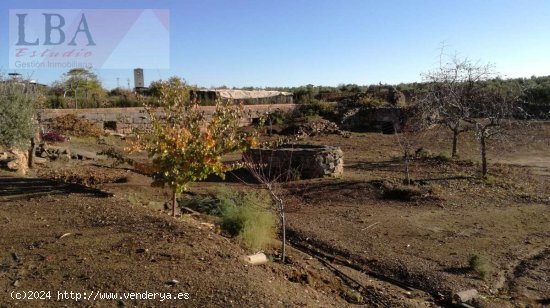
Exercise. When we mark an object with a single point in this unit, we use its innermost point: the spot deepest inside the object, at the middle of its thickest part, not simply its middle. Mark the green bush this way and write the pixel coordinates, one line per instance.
(352, 296)
(247, 216)
(481, 266)
(316, 108)
(17, 115)
(443, 157)
(202, 203)
(371, 102)
(56, 101)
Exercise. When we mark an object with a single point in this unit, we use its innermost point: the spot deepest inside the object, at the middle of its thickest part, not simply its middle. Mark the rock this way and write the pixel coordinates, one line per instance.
(12, 165)
(64, 155)
(256, 259)
(53, 152)
(84, 155)
(3, 156)
(18, 161)
(172, 282)
(40, 160)
(465, 296)
(117, 134)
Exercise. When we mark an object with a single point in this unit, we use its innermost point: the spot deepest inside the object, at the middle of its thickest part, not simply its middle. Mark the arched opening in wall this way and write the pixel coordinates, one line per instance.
(109, 125)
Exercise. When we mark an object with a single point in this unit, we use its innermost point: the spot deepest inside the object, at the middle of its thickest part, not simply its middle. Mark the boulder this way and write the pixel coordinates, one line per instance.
(84, 155)
(40, 160)
(53, 152)
(18, 161)
(465, 296)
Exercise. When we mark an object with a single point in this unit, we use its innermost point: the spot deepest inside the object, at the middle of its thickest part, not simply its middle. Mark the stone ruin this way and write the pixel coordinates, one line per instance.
(396, 98)
(126, 120)
(299, 161)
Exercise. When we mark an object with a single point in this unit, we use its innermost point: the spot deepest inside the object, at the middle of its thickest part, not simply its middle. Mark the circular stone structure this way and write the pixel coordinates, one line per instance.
(299, 161)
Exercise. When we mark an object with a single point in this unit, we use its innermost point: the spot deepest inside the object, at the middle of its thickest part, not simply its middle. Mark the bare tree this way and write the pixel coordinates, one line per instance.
(270, 172)
(409, 137)
(492, 113)
(465, 95)
(451, 89)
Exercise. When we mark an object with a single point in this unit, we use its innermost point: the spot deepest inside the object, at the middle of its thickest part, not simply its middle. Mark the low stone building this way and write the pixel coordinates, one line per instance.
(125, 120)
(209, 96)
(385, 120)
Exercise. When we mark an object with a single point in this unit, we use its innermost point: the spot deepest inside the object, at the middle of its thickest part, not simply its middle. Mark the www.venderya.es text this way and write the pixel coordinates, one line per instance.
(98, 295)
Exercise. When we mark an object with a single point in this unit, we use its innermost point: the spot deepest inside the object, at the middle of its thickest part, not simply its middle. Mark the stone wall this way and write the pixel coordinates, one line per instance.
(382, 120)
(124, 120)
(299, 161)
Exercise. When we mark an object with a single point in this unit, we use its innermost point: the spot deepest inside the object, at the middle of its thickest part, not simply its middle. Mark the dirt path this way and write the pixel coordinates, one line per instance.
(538, 161)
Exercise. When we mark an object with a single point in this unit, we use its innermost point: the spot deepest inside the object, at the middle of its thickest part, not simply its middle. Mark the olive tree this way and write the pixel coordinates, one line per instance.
(18, 114)
(83, 86)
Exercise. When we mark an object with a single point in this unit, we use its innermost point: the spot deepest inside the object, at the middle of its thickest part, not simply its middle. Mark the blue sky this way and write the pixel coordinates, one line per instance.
(325, 42)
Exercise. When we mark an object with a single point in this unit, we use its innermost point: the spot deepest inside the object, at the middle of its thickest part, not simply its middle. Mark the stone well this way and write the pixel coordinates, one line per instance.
(300, 161)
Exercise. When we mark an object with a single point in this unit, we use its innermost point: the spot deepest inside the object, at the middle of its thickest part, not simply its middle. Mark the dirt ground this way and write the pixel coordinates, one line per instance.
(351, 244)
(427, 242)
(86, 242)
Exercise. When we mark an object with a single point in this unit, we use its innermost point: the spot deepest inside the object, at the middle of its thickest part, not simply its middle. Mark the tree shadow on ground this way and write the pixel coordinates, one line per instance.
(12, 188)
(396, 165)
(460, 270)
(332, 190)
(389, 166)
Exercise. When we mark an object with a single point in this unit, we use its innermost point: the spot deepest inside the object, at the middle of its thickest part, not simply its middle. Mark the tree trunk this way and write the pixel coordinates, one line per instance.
(407, 172)
(174, 203)
(31, 153)
(281, 209)
(483, 155)
(454, 151)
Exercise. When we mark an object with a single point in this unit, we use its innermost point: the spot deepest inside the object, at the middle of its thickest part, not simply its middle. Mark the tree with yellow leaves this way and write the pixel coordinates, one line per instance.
(187, 145)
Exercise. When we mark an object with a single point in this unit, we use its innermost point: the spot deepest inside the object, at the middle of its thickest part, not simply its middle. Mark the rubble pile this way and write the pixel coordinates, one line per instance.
(319, 127)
